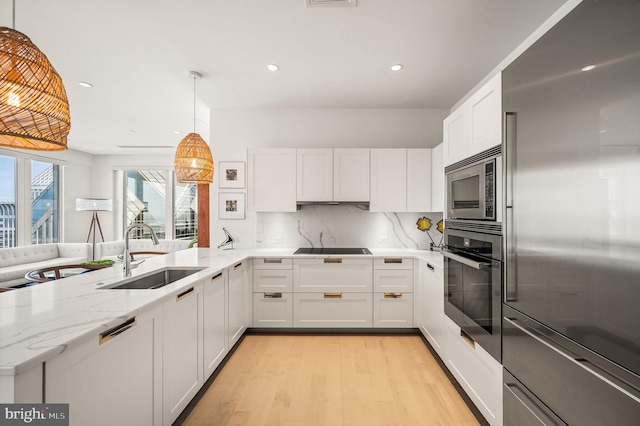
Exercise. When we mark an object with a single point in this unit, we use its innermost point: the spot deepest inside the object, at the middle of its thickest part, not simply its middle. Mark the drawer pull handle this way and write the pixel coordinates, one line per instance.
(273, 260)
(333, 260)
(392, 260)
(215, 277)
(273, 295)
(119, 329)
(467, 338)
(237, 266)
(184, 294)
(393, 295)
(431, 268)
(336, 295)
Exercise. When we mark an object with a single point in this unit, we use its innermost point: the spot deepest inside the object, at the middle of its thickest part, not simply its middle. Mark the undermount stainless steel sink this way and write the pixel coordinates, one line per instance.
(153, 280)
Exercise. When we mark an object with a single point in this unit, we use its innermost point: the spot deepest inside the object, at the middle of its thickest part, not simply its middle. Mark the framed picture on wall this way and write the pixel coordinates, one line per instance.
(231, 175)
(230, 205)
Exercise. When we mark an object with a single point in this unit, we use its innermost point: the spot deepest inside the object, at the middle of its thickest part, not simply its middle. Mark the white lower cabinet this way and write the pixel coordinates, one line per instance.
(182, 366)
(111, 378)
(393, 292)
(237, 301)
(393, 309)
(479, 374)
(272, 309)
(332, 274)
(332, 309)
(430, 315)
(272, 293)
(215, 340)
(25, 387)
(273, 280)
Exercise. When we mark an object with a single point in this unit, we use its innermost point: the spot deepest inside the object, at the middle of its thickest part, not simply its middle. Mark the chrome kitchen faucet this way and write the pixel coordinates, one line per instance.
(126, 259)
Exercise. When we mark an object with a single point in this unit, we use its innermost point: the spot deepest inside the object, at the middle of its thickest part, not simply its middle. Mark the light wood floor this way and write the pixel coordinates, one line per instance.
(331, 380)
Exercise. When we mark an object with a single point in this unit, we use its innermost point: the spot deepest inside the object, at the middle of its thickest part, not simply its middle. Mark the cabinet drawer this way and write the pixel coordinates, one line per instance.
(333, 274)
(392, 263)
(393, 309)
(393, 280)
(273, 280)
(272, 309)
(479, 374)
(272, 263)
(332, 309)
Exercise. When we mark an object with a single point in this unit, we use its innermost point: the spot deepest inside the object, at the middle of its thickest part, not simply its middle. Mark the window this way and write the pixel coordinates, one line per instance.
(44, 203)
(186, 211)
(8, 235)
(151, 198)
(29, 202)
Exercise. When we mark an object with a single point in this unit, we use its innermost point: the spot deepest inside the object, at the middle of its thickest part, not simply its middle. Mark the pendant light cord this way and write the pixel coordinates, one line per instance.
(194, 103)
(13, 22)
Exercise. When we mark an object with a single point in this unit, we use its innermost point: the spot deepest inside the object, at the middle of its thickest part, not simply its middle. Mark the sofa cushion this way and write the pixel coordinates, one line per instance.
(28, 254)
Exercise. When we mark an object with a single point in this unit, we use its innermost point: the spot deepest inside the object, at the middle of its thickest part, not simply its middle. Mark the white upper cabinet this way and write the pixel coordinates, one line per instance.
(272, 180)
(437, 180)
(455, 132)
(476, 125)
(388, 180)
(351, 174)
(486, 116)
(401, 180)
(419, 187)
(315, 174)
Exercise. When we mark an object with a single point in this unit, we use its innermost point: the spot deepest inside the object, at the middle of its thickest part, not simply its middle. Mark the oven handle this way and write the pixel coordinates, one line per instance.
(465, 260)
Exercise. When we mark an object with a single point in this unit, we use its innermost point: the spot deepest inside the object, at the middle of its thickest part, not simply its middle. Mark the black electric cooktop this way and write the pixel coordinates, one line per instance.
(332, 250)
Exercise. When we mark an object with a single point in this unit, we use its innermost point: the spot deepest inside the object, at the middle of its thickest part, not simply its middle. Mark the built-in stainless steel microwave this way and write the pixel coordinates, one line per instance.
(471, 189)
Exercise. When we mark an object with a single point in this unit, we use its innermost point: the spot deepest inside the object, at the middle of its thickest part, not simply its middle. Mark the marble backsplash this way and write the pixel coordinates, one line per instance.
(344, 226)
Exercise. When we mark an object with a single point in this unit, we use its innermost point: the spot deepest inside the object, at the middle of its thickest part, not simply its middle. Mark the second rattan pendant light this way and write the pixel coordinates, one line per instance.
(193, 162)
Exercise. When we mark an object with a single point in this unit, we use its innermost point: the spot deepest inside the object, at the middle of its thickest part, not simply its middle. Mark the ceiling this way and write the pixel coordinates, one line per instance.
(137, 54)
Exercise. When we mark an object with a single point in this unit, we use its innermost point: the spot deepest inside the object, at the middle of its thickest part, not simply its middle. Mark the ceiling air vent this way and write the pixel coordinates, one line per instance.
(314, 3)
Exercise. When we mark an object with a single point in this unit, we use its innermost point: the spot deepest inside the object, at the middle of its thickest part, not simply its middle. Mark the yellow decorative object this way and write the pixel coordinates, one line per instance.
(440, 226)
(424, 224)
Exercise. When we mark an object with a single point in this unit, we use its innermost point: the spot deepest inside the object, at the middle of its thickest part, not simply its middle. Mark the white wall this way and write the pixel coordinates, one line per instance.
(233, 131)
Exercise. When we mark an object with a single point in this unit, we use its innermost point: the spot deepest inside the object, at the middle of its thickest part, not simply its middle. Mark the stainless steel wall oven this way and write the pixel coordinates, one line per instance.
(473, 281)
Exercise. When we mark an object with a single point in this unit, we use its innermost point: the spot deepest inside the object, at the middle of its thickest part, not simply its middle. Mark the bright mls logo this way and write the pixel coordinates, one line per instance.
(35, 414)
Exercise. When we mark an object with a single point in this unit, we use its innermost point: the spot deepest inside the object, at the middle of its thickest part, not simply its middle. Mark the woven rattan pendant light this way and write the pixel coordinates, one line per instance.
(34, 110)
(193, 162)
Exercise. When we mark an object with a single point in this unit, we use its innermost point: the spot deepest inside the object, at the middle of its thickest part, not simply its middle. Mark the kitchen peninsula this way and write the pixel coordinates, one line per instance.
(61, 338)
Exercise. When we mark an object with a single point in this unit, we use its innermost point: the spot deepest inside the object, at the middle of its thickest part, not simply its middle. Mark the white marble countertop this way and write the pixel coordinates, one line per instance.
(39, 322)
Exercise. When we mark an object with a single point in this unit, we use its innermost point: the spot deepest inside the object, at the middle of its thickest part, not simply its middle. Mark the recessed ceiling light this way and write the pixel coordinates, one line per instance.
(132, 131)
(85, 84)
(177, 132)
(396, 67)
(588, 68)
(273, 67)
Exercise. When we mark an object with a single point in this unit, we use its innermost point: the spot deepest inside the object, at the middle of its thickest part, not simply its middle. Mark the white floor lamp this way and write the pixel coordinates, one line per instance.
(94, 205)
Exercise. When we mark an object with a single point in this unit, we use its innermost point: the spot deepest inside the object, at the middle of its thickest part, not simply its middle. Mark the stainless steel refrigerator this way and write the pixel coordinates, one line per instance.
(571, 299)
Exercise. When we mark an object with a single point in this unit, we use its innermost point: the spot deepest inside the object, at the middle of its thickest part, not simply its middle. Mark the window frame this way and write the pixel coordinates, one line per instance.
(23, 195)
(170, 193)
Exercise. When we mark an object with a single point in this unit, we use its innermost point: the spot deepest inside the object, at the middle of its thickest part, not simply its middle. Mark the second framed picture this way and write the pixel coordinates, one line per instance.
(230, 205)
(231, 174)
